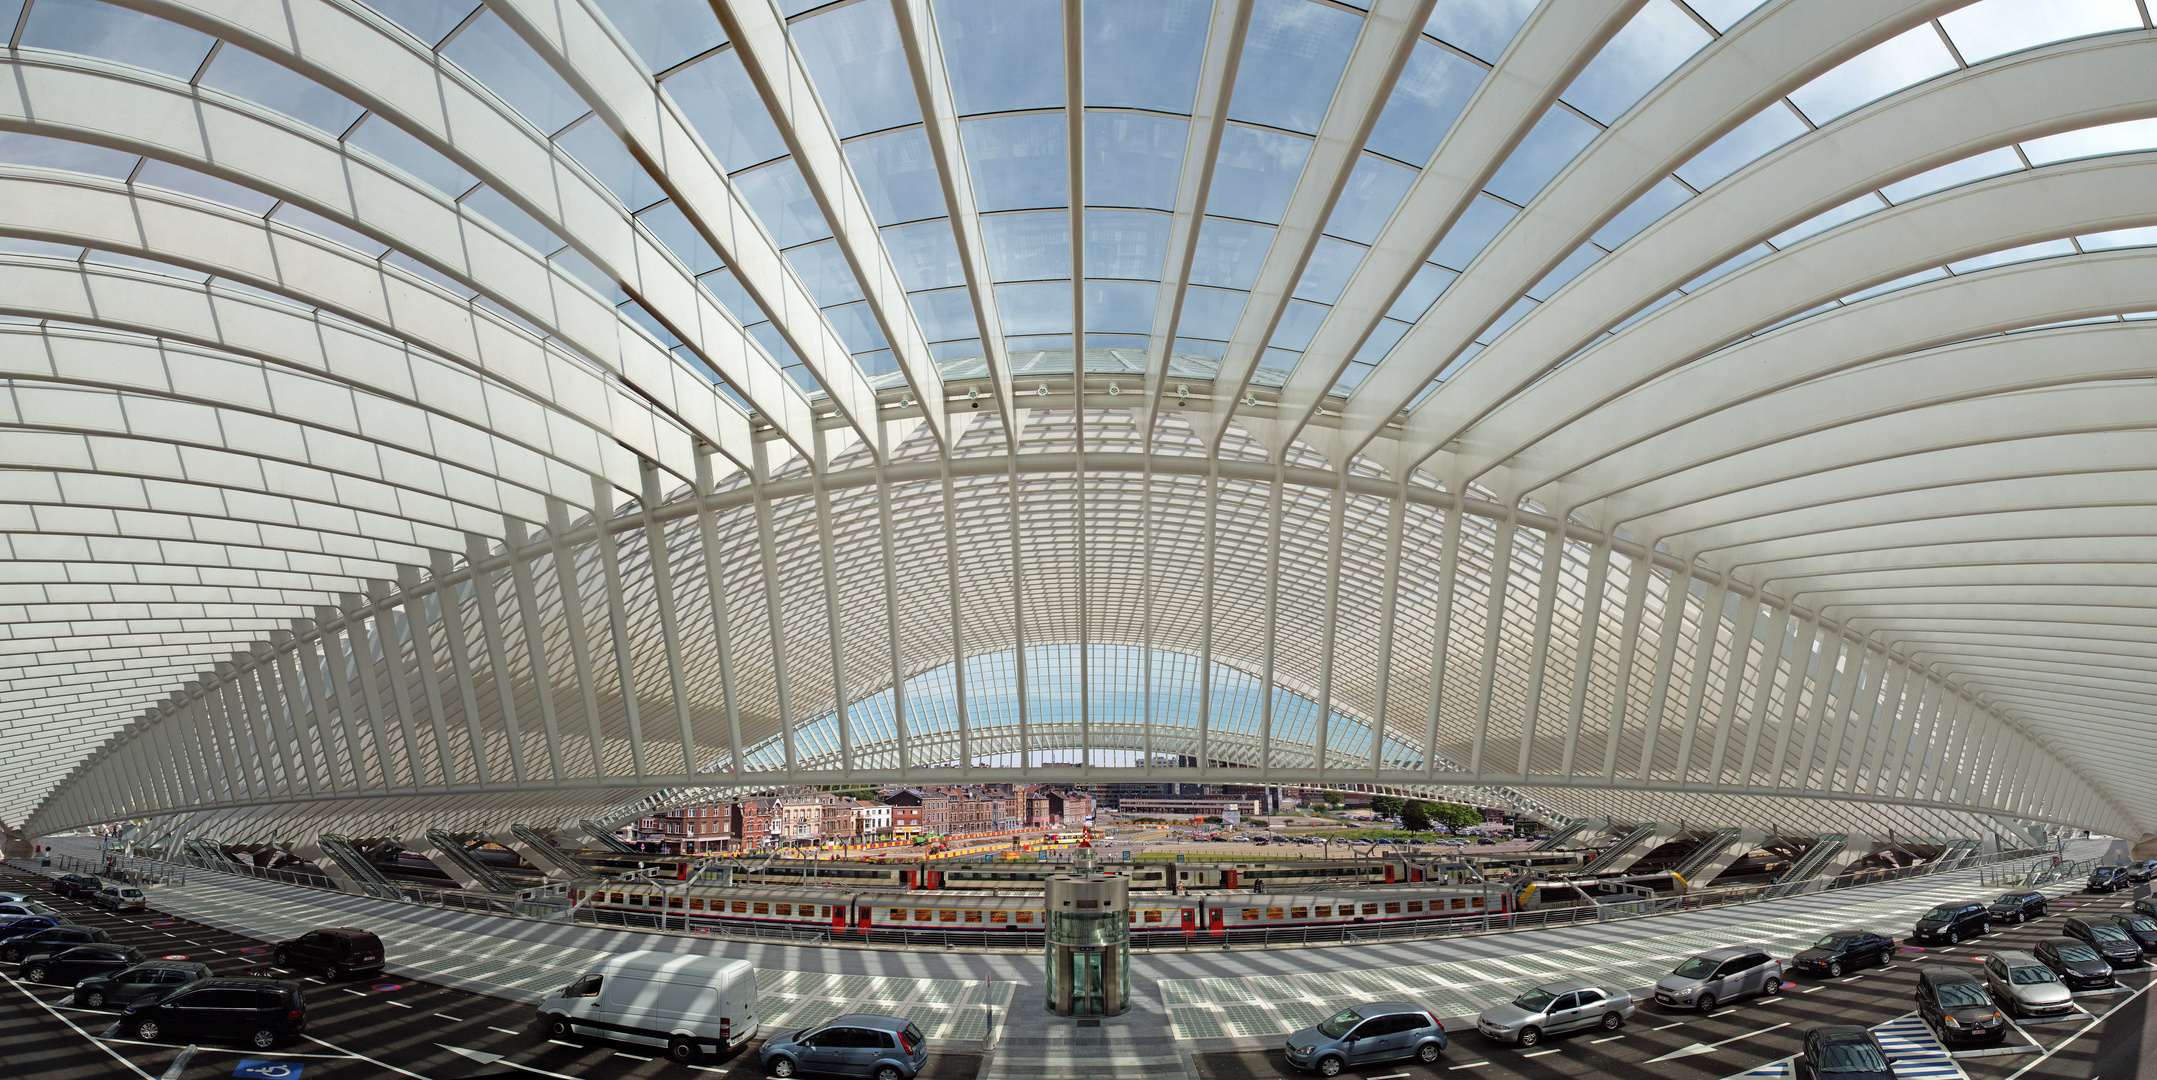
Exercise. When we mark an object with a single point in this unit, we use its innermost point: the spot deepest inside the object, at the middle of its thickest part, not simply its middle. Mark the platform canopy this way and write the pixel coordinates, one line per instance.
(442, 414)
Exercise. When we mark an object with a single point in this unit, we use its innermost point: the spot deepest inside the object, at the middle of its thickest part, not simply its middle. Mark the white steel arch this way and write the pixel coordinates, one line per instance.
(1766, 511)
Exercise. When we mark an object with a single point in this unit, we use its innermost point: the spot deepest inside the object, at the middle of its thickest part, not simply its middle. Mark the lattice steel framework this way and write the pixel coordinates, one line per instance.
(439, 415)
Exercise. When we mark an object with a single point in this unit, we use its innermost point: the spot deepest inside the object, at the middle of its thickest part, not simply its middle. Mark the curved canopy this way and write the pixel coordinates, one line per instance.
(1717, 411)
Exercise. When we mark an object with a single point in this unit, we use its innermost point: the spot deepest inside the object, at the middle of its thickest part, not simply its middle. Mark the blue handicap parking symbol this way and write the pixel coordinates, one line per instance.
(274, 1070)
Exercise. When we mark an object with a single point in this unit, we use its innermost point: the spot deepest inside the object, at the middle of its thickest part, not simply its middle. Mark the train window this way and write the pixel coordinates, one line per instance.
(617, 898)
(674, 902)
(637, 899)
(760, 909)
(740, 906)
(1154, 915)
(1250, 914)
(1370, 909)
(1273, 913)
(898, 914)
(1476, 902)
(1026, 916)
(823, 912)
(999, 916)
(1415, 905)
(973, 916)
(1325, 911)
(921, 915)
(696, 903)
(1299, 913)
(787, 909)
(947, 915)
(1393, 907)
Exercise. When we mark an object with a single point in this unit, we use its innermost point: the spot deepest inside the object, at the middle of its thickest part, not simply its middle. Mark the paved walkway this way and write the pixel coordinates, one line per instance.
(1182, 1002)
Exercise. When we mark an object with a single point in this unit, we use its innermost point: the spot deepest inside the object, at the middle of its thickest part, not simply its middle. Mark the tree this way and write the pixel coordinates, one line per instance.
(1415, 816)
(1333, 798)
(1456, 815)
(1385, 805)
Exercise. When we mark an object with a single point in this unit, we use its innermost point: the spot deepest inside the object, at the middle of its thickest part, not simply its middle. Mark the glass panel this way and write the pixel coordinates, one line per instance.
(1726, 266)
(584, 270)
(824, 272)
(18, 148)
(1822, 222)
(1017, 162)
(853, 54)
(1126, 244)
(1548, 148)
(1311, 40)
(1992, 28)
(495, 207)
(1480, 28)
(1903, 282)
(1229, 253)
(1774, 126)
(395, 145)
(2042, 250)
(1133, 159)
(1144, 54)
(667, 223)
(1299, 322)
(856, 326)
(925, 254)
(2119, 238)
(1210, 313)
(427, 20)
(1472, 232)
(2089, 142)
(945, 315)
(243, 74)
(1421, 291)
(1042, 307)
(1989, 163)
(1900, 61)
(1372, 193)
(1002, 55)
(717, 98)
(323, 227)
(1433, 88)
(783, 203)
(494, 54)
(1582, 257)
(1027, 247)
(1332, 261)
(1505, 322)
(1255, 172)
(595, 146)
(203, 186)
(130, 37)
(1657, 39)
(898, 176)
(665, 32)
(1121, 307)
(1723, 14)
(1645, 211)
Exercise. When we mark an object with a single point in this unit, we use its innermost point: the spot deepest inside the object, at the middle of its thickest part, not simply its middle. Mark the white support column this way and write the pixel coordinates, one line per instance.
(430, 685)
(1741, 648)
(344, 662)
(1834, 657)
(276, 778)
(1920, 700)
(363, 624)
(1861, 690)
(958, 621)
(1676, 598)
(1705, 638)
(835, 627)
(1389, 604)
(774, 615)
(400, 708)
(495, 641)
(608, 545)
(656, 550)
(1018, 612)
(721, 615)
(1501, 574)
(532, 634)
(1946, 768)
(291, 697)
(1335, 543)
(1546, 599)
(1778, 630)
(460, 662)
(1639, 574)
(569, 589)
(1442, 627)
(313, 663)
(1591, 633)
(1875, 727)
(1802, 661)
(1276, 495)
(1205, 615)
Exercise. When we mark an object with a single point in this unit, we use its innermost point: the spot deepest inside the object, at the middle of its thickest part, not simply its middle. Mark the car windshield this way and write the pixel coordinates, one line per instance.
(2031, 976)
(2143, 924)
(1939, 914)
(2078, 953)
(1832, 941)
(2108, 933)
(1959, 995)
(1339, 1023)
(1699, 967)
(1535, 1000)
(1855, 1056)
(2009, 898)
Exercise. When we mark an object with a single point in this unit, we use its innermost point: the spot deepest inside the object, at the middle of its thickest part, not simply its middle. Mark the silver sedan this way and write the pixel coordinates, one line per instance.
(1555, 1007)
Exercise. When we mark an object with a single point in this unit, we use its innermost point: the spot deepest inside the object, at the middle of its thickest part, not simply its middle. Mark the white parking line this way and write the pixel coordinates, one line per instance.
(1540, 1053)
(640, 1057)
(1388, 1076)
(1667, 1027)
(400, 1004)
(1467, 1065)
(504, 1031)
(1812, 989)
(451, 1019)
(571, 1045)
(355, 993)
(1607, 1040)
(79, 1031)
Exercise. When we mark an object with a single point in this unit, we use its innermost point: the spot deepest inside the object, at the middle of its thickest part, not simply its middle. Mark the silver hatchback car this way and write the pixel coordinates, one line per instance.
(2026, 986)
(1720, 975)
(1554, 1007)
(1363, 1034)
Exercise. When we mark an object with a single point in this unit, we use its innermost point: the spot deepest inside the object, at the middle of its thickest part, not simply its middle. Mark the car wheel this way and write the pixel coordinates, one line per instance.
(681, 1050)
(889, 1072)
(263, 1039)
(558, 1027)
(1329, 1066)
(1708, 1003)
(334, 973)
(11, 956)
(1774, 986)
(1427, 1053)
(93, 1000)
(1951, 938)
(34, 973)
(1834, 969)
(148, 1030)
(1612, 1021)
(1529, 1036)
(782, 1067)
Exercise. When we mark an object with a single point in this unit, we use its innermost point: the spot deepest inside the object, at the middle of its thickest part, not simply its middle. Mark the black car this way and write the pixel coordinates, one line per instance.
(151, 980)
(2100, 934)
(1958, 1006)
(76, 886)
(2140, 927)
(49, 940)
(335, 952)
(1952, 922)
(2107, 879)
(2145, 906)
(70, 966)
(15, 926)
(1841, 950)
(258, 1012)
(2079, 965)
(1845, 1052)
(2145, 870)
(2019, 906)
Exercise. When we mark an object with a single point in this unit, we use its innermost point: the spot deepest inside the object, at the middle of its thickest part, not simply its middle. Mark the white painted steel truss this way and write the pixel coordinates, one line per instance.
(1624, 409)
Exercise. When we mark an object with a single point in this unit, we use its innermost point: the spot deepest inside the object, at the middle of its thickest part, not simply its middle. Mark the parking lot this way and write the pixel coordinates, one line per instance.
(369, 1028)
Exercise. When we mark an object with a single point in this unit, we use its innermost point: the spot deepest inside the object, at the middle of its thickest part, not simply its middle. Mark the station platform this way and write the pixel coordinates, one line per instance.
(1185, 1003)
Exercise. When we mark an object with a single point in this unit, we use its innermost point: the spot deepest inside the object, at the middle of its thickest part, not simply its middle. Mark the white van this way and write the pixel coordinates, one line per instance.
(692, 1005)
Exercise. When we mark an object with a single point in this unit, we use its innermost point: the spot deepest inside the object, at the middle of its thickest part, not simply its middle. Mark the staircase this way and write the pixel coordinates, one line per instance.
(1957, 853)
(362, 871)
(1561, 837)
(605, 838)
(1706, 852)
(1812, 864)
(542, 853)
(464, 866)
(205, 855)
(1627, 851)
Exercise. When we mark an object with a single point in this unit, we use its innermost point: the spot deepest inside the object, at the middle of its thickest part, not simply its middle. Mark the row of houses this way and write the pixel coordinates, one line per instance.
(796, 818)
